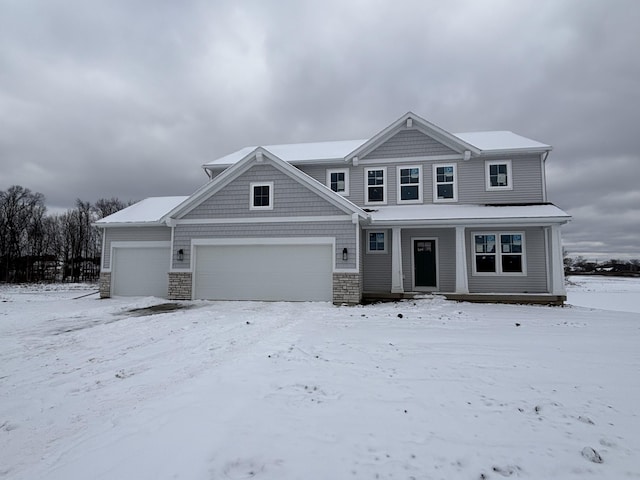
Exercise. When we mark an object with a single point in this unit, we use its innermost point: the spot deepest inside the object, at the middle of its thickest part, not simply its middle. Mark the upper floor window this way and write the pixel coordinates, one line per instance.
(498, 175)
(261, 196)
(410, 184)
(338, 180)
(498, 253)
(375, 185)
(445, 188)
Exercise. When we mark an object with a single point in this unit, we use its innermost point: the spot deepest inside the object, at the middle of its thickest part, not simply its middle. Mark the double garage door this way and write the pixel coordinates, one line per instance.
(263, 272)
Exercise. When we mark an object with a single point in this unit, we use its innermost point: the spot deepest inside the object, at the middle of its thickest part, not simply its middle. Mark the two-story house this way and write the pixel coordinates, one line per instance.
(413, 209)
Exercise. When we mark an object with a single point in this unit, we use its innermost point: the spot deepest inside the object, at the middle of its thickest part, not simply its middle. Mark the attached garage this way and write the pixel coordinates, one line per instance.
(140, 270)
(287, 272)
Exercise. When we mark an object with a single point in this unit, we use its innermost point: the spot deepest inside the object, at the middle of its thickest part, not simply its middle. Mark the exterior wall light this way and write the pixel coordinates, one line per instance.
(345, 254)
(180, 255)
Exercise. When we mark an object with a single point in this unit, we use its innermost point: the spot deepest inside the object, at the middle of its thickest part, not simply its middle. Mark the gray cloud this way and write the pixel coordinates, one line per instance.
(128, 99)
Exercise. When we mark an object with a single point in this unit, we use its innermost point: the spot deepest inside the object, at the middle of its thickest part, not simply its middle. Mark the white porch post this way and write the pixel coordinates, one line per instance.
(462, 283)
(557, 264)
(396, 261)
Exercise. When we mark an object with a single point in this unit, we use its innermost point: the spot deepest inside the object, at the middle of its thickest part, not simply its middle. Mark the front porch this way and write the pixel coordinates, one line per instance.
(511, 298)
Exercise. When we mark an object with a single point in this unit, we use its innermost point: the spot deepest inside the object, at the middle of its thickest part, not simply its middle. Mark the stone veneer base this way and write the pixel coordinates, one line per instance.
(104, 284)
(347, 288)
(179, 286)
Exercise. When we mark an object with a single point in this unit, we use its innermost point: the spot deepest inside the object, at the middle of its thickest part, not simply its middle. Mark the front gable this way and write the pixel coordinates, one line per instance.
(292, 193)
(412, 136)
(408, 143)
(288, 197)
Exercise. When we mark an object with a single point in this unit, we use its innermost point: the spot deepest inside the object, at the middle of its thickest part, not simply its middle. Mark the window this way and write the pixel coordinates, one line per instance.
(338, 180)
(498, 175)
(410, 184)
(444, 183)
(498, 253)
(261, 196)
(376, 242)
(375, 181)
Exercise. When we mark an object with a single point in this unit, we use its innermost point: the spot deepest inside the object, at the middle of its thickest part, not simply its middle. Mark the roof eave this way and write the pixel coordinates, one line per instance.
(472, 222)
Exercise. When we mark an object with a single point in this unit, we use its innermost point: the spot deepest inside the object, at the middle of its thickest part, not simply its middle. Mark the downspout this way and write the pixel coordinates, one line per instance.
(543, 161)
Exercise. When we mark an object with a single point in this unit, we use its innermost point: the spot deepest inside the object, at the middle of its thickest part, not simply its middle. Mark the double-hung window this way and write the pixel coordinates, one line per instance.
(375, 180)
(499, 253)
(261, 196)
(338, 180)
(445, 183)
(410, 184)
(498, 175)
(376, 242)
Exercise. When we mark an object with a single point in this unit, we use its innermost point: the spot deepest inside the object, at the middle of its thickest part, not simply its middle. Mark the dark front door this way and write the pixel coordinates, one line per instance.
(424, 263)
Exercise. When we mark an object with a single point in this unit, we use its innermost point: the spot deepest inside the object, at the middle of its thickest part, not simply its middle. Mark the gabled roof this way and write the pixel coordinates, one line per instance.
(146, 212)
(254, 157)
(501, 141)
(413, 121)
(318, 152)
(294, 152)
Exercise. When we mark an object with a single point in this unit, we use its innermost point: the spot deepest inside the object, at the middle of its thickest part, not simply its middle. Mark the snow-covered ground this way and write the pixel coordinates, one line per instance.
(416, 389)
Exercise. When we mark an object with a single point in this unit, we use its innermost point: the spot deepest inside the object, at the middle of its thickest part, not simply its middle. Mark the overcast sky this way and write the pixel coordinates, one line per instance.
(128, 98)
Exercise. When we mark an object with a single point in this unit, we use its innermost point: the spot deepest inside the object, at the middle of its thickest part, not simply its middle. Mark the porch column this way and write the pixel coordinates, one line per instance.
(557, 264)
(462, 282)
(396, 261)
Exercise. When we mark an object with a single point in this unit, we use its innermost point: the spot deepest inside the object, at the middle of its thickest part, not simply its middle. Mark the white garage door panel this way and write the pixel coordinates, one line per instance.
(264, 272)
(141, 271)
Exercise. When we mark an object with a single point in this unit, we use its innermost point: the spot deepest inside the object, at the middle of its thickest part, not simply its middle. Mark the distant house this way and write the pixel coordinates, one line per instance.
(414, 209)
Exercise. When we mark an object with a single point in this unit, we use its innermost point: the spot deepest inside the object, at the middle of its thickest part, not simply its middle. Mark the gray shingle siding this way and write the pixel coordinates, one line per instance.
(535, 281)
(409, 143)
(344, 233)
(290, 198)
(132, 234)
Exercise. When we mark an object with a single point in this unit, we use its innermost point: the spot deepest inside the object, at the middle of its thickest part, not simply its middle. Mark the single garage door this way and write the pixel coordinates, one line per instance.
(264, 272)
(140, 271)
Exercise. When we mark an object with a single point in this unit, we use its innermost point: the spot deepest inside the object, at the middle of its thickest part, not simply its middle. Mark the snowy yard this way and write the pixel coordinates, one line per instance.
(417, 389)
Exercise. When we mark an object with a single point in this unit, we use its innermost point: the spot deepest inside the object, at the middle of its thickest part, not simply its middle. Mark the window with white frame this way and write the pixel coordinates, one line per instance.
(338, 180)
(499, 253)
(376, 242)
(498, 175)
(261, 196)
(445, 187)
(375, 180)
(410, 184)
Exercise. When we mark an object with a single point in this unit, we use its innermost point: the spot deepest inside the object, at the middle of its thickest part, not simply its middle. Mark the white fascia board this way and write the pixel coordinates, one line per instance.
(393, 161)
(513, 151)
(156, 223)
(472, 222)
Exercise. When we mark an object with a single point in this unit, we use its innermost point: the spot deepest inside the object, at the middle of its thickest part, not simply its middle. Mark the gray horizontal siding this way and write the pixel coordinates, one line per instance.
(534, 282)
(132, 234)
(445, 251)
(343, 232)
(290, 198)
(376, 267)
(527, 179)
(409, 143)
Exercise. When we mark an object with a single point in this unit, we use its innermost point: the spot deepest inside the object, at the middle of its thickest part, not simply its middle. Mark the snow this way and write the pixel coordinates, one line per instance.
(415, 389)
(500, 140)
(407, 213)
(149, 210)
(296, 152)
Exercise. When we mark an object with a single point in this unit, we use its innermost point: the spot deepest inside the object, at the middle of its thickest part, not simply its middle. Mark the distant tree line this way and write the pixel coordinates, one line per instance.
(36, 247)
(580, 265)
